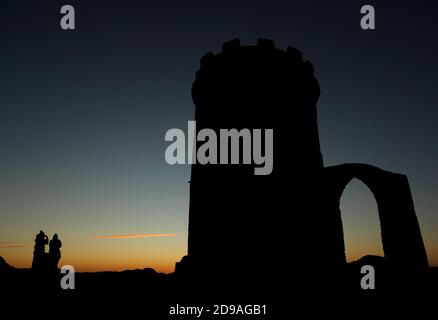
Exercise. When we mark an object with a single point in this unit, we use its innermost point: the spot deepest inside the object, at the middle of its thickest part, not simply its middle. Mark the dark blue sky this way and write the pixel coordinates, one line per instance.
(83, 113)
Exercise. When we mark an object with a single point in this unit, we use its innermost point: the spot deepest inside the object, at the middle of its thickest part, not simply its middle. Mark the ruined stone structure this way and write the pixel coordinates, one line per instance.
(243, 226)
(401, 236)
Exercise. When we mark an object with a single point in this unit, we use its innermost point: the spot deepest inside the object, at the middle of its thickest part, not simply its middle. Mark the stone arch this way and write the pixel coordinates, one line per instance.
(401, 237)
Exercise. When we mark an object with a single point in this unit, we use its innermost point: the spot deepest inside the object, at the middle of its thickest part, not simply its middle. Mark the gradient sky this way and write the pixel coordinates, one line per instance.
(83, 115)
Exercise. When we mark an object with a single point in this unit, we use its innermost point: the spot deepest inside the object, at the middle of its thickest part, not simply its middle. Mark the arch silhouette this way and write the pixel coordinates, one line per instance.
(400, 231)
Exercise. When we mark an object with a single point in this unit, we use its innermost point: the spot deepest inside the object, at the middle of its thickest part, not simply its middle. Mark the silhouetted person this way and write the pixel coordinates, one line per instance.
(54, 251)
(39, 250)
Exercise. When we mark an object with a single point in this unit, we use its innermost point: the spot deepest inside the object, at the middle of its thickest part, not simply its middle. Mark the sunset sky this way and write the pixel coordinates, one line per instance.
(83, 116)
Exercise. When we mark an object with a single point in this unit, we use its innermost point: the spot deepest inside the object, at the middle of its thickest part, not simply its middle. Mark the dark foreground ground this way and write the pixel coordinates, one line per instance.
(147, 294)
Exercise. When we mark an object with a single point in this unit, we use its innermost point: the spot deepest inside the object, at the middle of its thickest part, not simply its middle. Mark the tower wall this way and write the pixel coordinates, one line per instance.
(238, 219)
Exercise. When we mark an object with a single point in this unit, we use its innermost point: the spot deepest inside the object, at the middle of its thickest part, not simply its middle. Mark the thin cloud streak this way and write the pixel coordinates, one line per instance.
(136, 236)
(11, 244)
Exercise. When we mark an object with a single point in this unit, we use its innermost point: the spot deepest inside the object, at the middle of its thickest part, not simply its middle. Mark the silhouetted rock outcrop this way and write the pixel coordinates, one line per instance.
(43, 261)
(4, 266)
(54, 251)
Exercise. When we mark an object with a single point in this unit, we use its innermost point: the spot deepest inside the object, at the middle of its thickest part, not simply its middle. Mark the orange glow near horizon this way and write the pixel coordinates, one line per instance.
(164, 265)
(135, 236)
(87, 252)
(101, 260)
(157, 251)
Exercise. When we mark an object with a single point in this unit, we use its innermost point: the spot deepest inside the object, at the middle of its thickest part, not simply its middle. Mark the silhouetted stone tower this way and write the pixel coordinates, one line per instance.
(238, 221)
(250, 228)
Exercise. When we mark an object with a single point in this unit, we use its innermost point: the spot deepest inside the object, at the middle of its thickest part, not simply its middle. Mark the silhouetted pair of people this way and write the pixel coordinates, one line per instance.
(43, 260)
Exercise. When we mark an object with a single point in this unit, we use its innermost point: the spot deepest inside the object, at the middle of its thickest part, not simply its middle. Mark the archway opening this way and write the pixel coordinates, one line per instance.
(360, 220)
